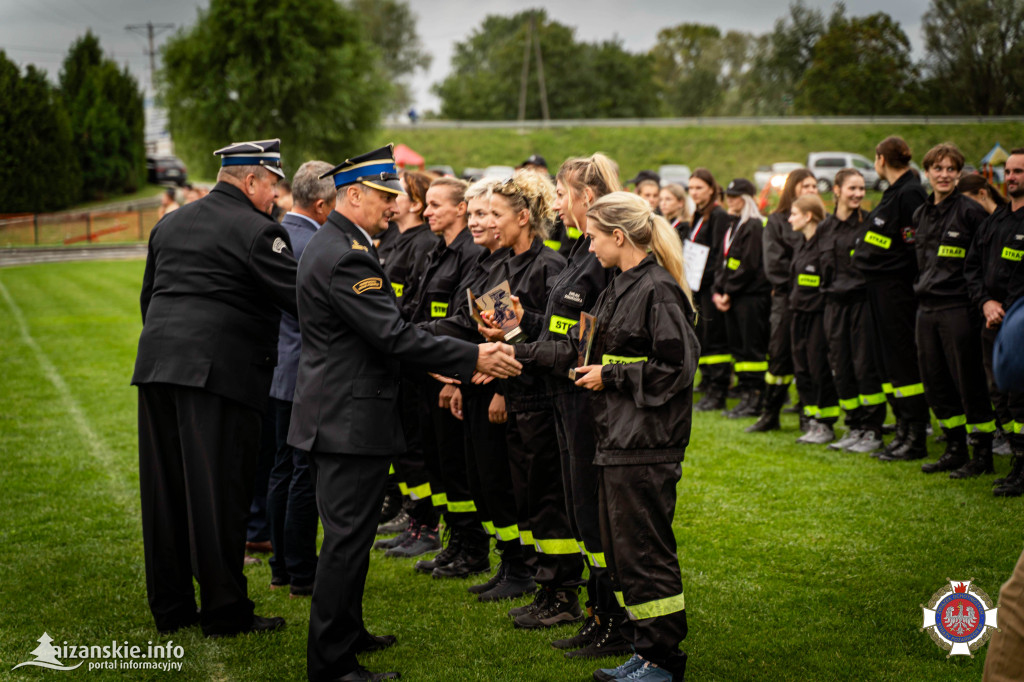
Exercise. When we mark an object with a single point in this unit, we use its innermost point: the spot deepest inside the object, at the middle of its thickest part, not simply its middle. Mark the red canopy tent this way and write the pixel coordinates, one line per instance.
(404, 156)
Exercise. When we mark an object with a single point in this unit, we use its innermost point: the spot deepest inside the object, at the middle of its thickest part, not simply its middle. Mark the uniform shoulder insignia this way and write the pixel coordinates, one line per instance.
(359, 247)
(367, 284)
(279, 245)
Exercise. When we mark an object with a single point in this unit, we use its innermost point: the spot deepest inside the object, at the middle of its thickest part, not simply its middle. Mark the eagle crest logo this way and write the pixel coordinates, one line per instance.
(959, 618)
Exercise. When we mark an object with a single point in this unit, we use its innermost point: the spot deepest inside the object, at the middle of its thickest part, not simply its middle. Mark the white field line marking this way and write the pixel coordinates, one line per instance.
(97, 447)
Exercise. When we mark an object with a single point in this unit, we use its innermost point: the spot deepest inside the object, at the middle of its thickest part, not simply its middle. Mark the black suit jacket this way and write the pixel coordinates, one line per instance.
(354, 341)
(218, 273)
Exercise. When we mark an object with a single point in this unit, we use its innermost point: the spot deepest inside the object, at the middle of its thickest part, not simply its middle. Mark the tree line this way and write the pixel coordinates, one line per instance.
(809, 64)
(78, 140)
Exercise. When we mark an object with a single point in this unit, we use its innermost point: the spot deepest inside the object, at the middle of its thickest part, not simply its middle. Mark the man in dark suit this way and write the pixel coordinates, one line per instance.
(218, 273)
(291, 498)
(346, 411)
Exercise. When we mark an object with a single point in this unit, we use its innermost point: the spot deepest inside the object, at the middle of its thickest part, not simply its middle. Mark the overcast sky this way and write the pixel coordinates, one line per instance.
(40, 31)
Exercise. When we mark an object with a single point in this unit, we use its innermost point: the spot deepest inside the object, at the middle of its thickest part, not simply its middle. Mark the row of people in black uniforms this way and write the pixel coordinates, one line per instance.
(899, 306)
(565, 473)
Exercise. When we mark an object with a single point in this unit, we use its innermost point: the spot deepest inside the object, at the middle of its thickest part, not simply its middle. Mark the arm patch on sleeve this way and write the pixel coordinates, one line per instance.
(367, 284)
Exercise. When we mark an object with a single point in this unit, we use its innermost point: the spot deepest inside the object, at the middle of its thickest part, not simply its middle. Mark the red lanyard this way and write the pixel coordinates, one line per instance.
(729, 237)
(696, 229)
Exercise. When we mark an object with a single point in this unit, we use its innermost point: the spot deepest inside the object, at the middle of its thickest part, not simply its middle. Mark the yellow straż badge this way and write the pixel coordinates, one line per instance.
(367, 284)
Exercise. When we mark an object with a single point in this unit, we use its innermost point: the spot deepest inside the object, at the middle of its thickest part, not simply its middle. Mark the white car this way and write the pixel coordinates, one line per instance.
(499, 172)
(775, 175)
(825, 165)
(674, 174)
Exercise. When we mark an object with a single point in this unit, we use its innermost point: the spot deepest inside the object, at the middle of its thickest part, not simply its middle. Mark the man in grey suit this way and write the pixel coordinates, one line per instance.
(291, 498)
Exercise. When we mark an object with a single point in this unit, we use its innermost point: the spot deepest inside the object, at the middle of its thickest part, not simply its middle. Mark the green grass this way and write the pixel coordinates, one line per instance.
(144, 192)
(798, 563)
(728, 151)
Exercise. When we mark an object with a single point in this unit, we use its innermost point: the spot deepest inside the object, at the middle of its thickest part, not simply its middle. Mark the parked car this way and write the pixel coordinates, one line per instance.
(674, 173)
(499, 172)
(775, 174)
(471, 174)
(446, 171)
(825, 165)
(166, 169)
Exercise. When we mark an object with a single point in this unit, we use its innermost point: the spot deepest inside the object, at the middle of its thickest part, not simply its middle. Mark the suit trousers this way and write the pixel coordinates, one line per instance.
(746, 324)
(813, 374)
(349, 493)
(638, 503)
(849, 328)
(197, 455)
(894, 313)
(258, 526)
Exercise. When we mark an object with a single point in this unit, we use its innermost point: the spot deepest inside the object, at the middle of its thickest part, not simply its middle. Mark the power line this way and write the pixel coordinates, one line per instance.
(152, 30)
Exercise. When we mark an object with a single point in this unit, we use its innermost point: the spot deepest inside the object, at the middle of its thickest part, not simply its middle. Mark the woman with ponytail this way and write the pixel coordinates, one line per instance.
(643, 358)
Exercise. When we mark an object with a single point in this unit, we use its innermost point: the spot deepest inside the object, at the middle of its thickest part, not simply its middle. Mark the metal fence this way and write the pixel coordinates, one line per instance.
(126, 222)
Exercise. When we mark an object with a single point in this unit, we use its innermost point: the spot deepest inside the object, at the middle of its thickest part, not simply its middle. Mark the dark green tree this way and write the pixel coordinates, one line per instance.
(38, 169)
(582, 80)
(975, 56)
(300, 70)
(861, 66)
(391, 28)
(688, 66)
(107, 120)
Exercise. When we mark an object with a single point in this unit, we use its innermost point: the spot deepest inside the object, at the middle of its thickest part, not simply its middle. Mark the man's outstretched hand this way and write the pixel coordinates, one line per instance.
(496, 360)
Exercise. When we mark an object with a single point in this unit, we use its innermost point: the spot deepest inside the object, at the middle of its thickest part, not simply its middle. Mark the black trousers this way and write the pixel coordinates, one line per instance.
(540, 498)
(291, 506)
(850, 331)
(746, 324)
(1000, 399)
(637, 504)
(780, 347)
(258, 525)
(415, 478)
(894, 313)
(949, 353)
(811, 367)
(487, 469)
(574, 420)
(349, 493)
(715, 360)
(197, 455)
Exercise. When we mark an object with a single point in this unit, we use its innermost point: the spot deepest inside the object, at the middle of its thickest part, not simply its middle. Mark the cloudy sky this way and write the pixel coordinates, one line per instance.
(39, 31)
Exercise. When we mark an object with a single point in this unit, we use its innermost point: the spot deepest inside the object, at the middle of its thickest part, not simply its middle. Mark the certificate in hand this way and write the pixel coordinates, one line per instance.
(499, 302)
(695, 259)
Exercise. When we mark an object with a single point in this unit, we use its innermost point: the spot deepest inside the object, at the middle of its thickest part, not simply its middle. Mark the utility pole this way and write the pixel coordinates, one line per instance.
(151, 30)
(526, 74)
(540, 69)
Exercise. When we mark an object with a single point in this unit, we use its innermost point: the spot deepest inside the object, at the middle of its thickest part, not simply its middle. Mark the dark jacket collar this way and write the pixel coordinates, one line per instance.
(520, 262)
(236, 194)
(625, 279)
(348, 228)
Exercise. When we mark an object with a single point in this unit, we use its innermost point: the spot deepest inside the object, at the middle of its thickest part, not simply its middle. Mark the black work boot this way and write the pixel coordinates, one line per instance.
(474, 555)
(980, 464)
(771, 405)
(713, 400)
(914, 447)
(452, 548)
(491, 582)
(1013, 485)
(562, 606)
(515, 582)
(540, 600)
(896, 443)
(749, 406)
(607, 640)
(584, 636)
(953, 458)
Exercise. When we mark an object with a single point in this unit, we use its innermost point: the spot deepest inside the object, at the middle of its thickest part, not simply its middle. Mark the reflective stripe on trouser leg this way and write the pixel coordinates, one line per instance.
(714, 359)
(556, 545)
(953, 422)
(461, 506)
(420, 492)
(773, 380)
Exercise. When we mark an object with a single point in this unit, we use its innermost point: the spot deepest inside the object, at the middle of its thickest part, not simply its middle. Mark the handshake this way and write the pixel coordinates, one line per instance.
(496, 360)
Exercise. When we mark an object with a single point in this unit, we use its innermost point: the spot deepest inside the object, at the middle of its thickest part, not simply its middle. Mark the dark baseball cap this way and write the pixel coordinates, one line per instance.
(739, 187)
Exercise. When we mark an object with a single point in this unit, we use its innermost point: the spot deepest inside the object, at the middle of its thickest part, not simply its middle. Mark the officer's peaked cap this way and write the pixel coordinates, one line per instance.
(374, 169)
(266, 153)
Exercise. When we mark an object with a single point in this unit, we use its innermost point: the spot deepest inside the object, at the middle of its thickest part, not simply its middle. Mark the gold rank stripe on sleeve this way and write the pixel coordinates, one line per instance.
(878, 240)
(561, 325)
(398, 288)
(358, 247)
(1012, 254)
(621, 359)
(804, 280)
(367, 284)
(438, 309)
(952, 251)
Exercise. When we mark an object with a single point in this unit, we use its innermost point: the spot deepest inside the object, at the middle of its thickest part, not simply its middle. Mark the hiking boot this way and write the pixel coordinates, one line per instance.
(768, 421)
(869, 442)
(952, 459)
(396, 525)
(607, 641)
(819, 434)
(563, 606)
(1016, 471)
(539, 602)
(390, 508)
(1013, 485)
(914, 447)
(851, 437)
(512, 586)
(980, 464)
(464, 565)
(584, 636)
(424, 539)
(451, 550)
(491, 582)
(395, 541)
(713, 400)
(619, 673)
(1000, 445)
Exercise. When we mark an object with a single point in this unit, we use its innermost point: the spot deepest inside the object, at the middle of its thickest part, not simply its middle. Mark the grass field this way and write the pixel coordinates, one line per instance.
(797, 563)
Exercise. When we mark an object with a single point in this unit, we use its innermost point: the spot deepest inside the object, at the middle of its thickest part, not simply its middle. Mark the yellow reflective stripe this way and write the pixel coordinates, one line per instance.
(851, 403)
(986, 427)
(808, 280)
(399, 288)
(953, 422)
(462, 506)
(1015, 427)
(658, 607)
(573, 232)
(887, 388)
(420, 492)
(878, 240)
(561, 325)
(733, 264)
(619, 598)
(556, 546)
(391, 470)
(908, 391)
(751, 366)
(403, 488)
(827, 412)
(439, 500)
(621, 359)
(872, 399)
(597, 559)
(810, 410)
(952, 251)
(526, 536)
(714, 359)
(438, 309)
(770, 378)
(1012, 254)
(488, 527)
(552, 244)
(506, 533)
